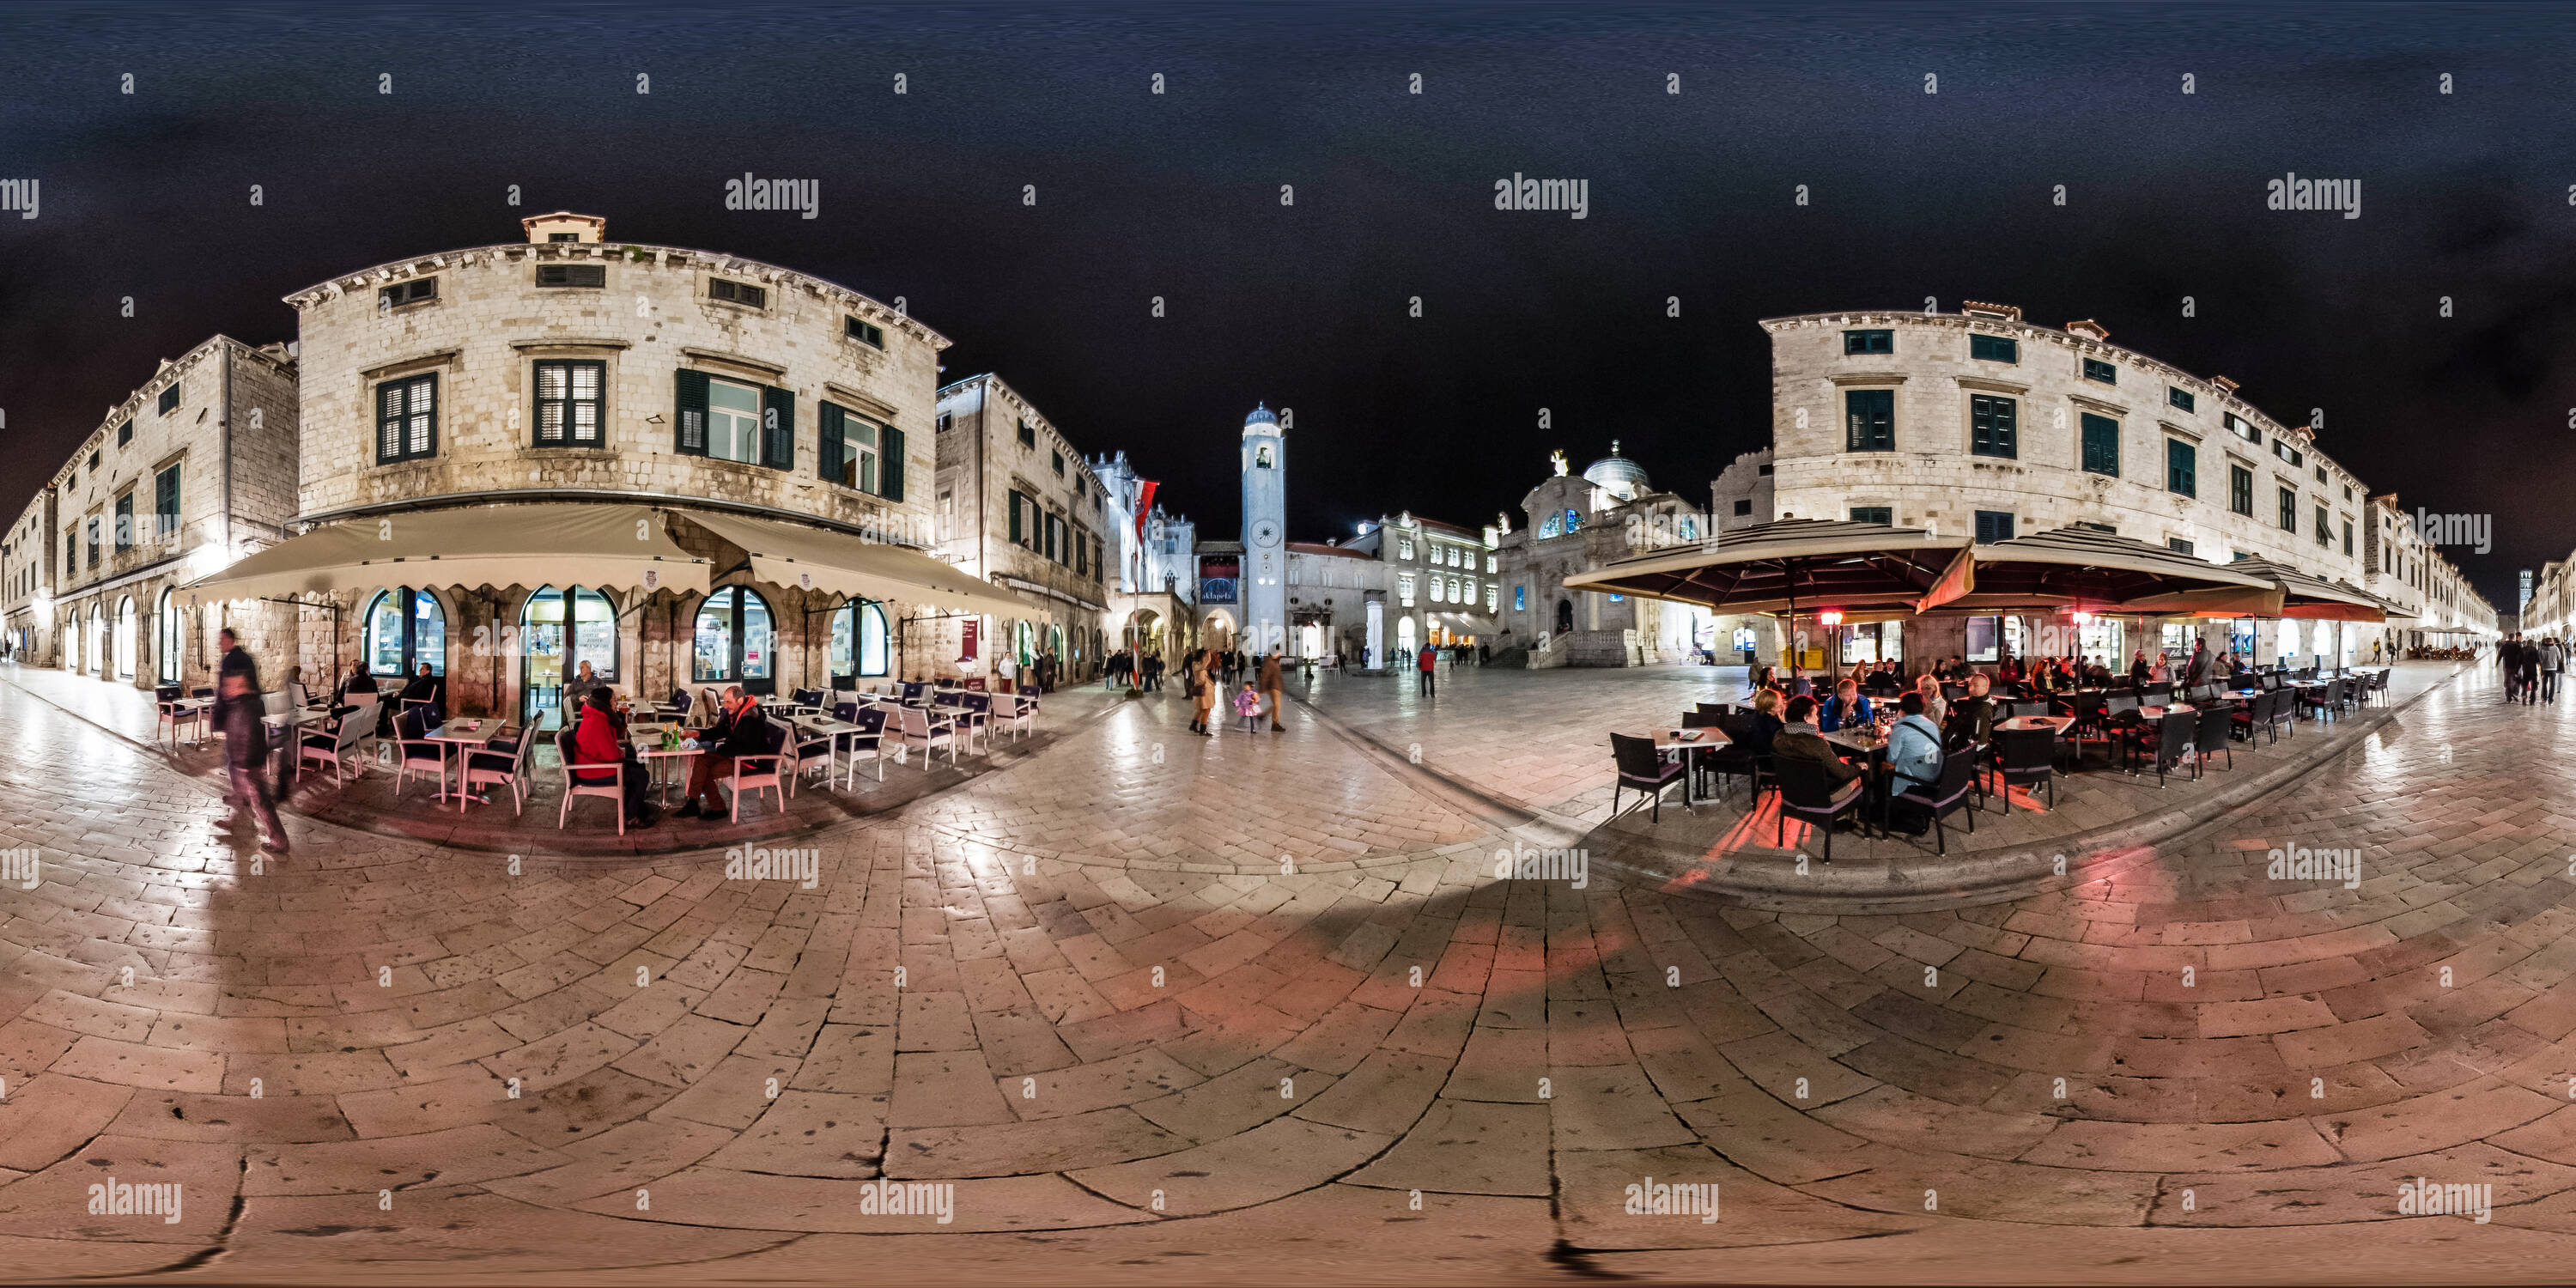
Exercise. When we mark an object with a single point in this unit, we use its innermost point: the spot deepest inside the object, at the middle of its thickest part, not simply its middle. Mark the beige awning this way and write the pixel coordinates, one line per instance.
(837, 563)
(618, 546)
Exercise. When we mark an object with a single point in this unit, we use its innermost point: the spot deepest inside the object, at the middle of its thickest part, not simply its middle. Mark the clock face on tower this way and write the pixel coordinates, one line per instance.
(1265, 533)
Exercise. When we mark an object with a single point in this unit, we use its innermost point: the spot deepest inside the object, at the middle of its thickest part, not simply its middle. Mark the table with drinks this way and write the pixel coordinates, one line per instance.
(668, 742)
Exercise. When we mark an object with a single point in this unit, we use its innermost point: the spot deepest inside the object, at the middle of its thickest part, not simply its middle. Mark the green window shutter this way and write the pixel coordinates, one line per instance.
(1015, 517)
(827, 430)
(692, 428)
(777, 428)
(890, 463)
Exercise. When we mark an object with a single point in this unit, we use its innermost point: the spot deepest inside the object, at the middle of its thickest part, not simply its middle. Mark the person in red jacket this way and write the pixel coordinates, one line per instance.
(1424, 682)
(600, 739)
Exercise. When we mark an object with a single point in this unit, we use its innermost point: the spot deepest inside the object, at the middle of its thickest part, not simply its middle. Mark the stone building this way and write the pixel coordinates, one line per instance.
(192, 470)
(1578, 523)
(1029, 514)
(1980, 423)
(27, 583)
(722, 393)
(1150, 581)
(1438, 584)
(1336, 602)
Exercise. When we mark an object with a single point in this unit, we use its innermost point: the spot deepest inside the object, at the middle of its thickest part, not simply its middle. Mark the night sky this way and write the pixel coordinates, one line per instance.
(1948, 195)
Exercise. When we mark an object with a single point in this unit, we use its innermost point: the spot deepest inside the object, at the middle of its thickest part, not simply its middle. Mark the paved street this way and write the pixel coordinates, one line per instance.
(1141, 1005)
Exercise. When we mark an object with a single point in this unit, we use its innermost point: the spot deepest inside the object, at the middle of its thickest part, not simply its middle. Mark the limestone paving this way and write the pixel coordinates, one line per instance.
(990, 1042)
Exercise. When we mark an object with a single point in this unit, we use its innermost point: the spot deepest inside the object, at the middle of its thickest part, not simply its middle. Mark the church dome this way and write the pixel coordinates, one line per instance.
(1617, 475)
(1262, 420)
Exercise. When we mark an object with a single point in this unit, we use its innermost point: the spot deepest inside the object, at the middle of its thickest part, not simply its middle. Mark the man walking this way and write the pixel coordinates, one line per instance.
(1271, 690)
(2199, 673)
(2509, 661)
(2553, 658)
(245, 741)
(1423, 682)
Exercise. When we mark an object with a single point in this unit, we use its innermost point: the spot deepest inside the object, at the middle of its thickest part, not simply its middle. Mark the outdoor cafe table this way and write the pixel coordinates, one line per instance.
(835, 730)
(649, 748)
(467, 737)
(285, 728)
(1687, 742)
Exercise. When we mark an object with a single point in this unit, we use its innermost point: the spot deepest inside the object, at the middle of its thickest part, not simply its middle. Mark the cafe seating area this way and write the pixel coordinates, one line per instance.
(2045, 764)
(833, 754)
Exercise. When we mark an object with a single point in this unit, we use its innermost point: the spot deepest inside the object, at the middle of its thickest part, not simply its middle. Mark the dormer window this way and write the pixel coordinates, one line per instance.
(415, 291)
(563, 237)
(864, 332)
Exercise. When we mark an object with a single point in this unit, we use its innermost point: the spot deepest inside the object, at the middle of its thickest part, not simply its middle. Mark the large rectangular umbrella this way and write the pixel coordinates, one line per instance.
(1777, 567)
(470, 546)
(792, 554)
(2085, 570)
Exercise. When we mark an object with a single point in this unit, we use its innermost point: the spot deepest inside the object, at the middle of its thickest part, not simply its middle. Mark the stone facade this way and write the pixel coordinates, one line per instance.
(27, 583)
(1023, 509)
(219, 424)
(1575, 524)
(1978, 422)
(1330, 588)
(1439, 581)
(1151, 585)
(650, 324)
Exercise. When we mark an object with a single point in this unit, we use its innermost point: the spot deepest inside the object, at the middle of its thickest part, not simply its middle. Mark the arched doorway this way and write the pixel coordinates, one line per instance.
(1405, 647)
(552, 649)
(402, 629)
(733, 642)
(126, 639)
(1310, 640)
(165, 621)
(96, 656)
(859, 643)
(1564, 616)
(1217, 632)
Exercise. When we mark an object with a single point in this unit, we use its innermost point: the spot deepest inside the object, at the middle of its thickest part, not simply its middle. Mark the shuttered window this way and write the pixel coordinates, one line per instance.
(777, 428)
(572, 275)
(1869, 420)
(691, 417)
(165, 504)
(569, 403)
(2101, 445)
(848, 454)
(2182, 472)
(407, 419)
(1991, 424)
(890, 471)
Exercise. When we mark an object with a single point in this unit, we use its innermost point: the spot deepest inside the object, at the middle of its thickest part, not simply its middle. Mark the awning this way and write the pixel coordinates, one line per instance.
(837, 563)
(2315, 598)
(2087, 570)
(1790, 564)
(618, 546)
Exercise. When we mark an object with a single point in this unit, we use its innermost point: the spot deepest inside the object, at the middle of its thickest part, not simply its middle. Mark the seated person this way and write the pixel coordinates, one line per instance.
(740, 729)
(1913, 756)
(358, 682)
(1799, 739)
(600, 739)
(1764, 725)
(432, 689)
(1847, 707)
(1972, 718)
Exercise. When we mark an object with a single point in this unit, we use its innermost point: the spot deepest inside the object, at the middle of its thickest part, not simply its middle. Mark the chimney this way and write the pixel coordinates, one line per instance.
(2224, 383)
(564, 226)
(2087, 327)
(1979, 308)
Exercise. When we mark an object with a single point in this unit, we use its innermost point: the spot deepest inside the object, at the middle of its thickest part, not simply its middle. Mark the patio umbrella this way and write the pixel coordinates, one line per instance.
(2081, 569)
(1777, 567)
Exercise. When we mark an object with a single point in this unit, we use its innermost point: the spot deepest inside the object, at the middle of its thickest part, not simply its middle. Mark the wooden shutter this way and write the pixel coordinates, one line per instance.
(831, 454)
(692, 427)
(389, 421)
(424, 416)
(777, 428)
(890, 463)
(1016, 538)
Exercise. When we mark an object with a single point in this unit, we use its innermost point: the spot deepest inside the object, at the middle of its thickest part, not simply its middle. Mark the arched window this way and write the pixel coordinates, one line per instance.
(125, 639)
(732, 641)
(1564, 616)
(404, 628)
(859, 639)
(552, 651)
(97, 640)
(165, 621)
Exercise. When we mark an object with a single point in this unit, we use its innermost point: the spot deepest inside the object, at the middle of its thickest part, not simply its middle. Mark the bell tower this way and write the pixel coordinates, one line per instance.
(1265, 519)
